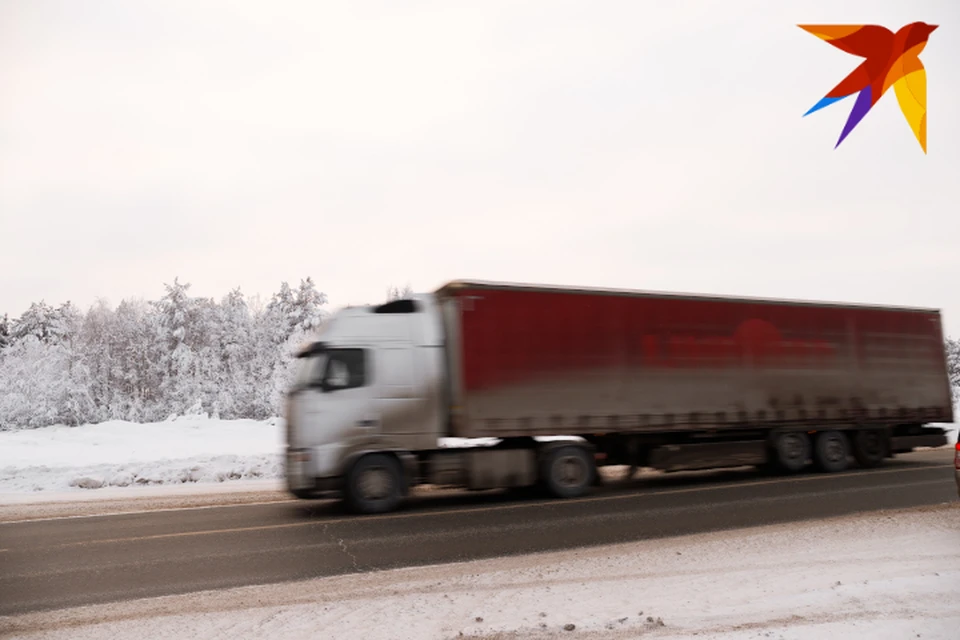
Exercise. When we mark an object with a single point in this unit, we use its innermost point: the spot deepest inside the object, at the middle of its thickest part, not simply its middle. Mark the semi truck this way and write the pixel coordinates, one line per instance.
(487, 385)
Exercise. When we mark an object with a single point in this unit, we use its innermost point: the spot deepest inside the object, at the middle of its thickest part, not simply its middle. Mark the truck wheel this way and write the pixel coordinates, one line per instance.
(792, 449)
(374, 484)
(832, 451)
(568, 472)
(870, 447)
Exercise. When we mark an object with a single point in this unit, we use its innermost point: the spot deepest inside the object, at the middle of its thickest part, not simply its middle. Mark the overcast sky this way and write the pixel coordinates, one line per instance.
(650, 145)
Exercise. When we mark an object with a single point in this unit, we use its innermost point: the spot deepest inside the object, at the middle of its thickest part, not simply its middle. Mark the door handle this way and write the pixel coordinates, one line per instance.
(367, 423)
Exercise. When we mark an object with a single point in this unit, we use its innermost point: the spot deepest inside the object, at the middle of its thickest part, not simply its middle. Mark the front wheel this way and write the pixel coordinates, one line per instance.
(569, 471)
(374, 484)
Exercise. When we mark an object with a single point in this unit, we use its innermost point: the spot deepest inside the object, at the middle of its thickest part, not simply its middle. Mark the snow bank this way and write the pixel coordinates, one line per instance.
(158, 472)
(194, 449)
(886, 576)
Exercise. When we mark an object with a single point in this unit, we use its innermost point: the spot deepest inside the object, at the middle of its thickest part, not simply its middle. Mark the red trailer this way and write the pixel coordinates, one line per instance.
(660, 370)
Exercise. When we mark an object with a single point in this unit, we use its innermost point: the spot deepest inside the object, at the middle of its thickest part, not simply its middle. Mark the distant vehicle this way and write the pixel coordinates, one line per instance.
(548, 383)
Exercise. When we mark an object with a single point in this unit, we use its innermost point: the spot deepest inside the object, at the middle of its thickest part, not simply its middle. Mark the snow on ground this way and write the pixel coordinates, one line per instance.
(883, 576)
(124, 454)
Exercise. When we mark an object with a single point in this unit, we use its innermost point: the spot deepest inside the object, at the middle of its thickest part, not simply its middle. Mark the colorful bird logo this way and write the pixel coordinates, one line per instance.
(891, 59)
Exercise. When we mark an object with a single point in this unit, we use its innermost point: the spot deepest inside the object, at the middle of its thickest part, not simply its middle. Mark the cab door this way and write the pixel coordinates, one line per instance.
(347, 400)
(397, 392)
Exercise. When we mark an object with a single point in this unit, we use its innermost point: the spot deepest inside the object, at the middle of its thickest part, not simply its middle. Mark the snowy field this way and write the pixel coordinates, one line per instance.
(177, 453)
(886, 576)
(185, 450)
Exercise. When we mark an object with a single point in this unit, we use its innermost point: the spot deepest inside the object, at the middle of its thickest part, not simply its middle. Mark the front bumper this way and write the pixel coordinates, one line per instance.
(319, 489)
(302, 477)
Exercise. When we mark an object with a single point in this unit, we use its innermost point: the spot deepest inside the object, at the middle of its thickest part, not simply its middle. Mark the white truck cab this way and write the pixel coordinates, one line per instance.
(373, 381)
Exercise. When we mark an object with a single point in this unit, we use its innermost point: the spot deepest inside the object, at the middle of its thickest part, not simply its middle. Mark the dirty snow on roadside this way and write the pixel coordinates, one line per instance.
(886, 576)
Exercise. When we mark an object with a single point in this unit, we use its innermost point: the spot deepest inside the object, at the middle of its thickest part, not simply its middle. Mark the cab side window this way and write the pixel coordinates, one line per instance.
(346, 369)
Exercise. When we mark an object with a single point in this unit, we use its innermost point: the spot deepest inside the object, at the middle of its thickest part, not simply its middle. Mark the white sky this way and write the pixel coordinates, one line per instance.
(629, 144)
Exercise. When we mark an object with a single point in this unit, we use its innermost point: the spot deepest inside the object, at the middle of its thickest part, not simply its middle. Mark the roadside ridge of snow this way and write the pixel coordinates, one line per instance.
(191, 449)
(201, 469)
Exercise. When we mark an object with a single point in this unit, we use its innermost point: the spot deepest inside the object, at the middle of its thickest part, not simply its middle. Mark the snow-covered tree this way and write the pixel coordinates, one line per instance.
(953, 365)
(293, 317)
(144, 361)
(65, 323)
(229, 362)
(174, 316)
(5, 337)
(308, 306)
(36, 321)
(43, 384)
(281, 314)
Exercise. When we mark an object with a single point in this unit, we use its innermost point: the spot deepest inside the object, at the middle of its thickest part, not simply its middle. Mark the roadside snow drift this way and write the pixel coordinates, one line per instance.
(120, 454)
(886, 576)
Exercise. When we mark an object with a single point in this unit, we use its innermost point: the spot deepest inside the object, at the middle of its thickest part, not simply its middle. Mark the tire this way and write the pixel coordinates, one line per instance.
(568, 471)
(375, 484)
(832, 451)
(791, 451)
(870, 447)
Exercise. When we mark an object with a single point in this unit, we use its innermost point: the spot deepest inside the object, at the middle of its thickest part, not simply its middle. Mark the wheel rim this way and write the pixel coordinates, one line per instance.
(375, 483)
(833, 449)
(569, 471)
(793, 447)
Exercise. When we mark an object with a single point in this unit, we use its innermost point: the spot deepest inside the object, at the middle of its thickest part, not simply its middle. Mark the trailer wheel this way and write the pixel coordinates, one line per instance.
(832, 451)
(568, 472)
(792, 449)
(870, 447)
(374, 484)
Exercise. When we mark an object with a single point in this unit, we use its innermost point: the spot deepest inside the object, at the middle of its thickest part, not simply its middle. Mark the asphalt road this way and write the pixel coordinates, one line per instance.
(62, 562)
